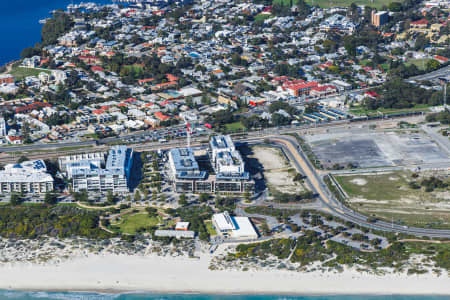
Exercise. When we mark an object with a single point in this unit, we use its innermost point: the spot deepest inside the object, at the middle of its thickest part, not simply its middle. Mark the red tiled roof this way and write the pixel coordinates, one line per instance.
(442, 58)
(171, 77)
(166, 83)
(140, 81)
(372, 94)
(32, 106)
(323, 88)
(303, 85)
(97, 69)
(293, 82)
(420, 22)
(98, 112)
(159, 115)
(280, 78)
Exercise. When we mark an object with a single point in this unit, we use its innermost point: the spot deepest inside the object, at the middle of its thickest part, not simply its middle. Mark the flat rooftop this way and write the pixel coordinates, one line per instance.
(184, 159)
(222, 142)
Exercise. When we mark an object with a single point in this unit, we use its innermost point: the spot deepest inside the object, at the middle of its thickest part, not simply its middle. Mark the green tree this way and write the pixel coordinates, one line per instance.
(432, 65)
(182, 200)
(163, 198)
(55, 27)
(15, 199)
(50, 198)
(110, 197)
(81, 196)
(137, 196)
(203, 198)
(26, 133)
(29, 52)
(22, 159)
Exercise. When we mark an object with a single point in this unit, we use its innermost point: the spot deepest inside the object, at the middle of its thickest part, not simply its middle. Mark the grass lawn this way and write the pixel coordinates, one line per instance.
(388, 196)
(236, 126)
(20, 73)
(421, 63)
(210, 228)
(347, 3)
(361, 111)
(131, 223)
(137, 69)
(262, 17)
(371, 190)
(284, 2)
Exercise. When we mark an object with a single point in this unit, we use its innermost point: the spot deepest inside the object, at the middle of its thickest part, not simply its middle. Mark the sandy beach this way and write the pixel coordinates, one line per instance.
(181, 274)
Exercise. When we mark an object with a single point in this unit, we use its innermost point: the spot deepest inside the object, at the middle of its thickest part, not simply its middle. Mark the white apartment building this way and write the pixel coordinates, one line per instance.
(95, 174)
(3, 131)
(27, 177)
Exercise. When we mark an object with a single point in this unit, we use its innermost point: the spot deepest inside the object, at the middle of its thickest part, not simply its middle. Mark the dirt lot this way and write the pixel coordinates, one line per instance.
(389, 195)
(278, 173)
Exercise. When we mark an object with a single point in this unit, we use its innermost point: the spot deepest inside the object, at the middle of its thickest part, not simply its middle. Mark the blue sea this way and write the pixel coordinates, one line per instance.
(18, 295)
(19, 23)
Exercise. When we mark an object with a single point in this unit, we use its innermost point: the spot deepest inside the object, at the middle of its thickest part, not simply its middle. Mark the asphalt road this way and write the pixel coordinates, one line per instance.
(179, 140)
(443, 72)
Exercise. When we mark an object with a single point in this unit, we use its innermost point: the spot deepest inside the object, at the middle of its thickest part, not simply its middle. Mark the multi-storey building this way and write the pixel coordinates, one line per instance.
(3, 131)
(230, 175)
(6, 79)
(95, 174)
(379, 18)
(27, 177)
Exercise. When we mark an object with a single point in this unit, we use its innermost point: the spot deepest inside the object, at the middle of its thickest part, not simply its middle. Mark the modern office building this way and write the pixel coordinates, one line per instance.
(26, 177)
(379, 18)
(221, 143)
(234, 227)
(94, 173)
(230, 175)
(3, 131)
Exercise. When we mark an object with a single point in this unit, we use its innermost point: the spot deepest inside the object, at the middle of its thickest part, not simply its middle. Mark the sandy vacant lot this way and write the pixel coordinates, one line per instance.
(278, 173)
(388, 195)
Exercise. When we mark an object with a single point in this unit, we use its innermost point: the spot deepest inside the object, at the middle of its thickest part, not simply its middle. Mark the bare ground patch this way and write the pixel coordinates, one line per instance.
(277, 170)
(390, 195)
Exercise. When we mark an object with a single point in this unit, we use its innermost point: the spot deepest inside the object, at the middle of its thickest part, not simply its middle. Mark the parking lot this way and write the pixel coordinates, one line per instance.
(163, 134)
(376, 149)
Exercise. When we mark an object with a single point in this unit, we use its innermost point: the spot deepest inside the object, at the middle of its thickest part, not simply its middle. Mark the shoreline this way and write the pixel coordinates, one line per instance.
(122, 274)
(218, 293)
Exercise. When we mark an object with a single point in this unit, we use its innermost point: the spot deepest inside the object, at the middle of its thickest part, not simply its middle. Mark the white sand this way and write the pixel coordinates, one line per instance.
(359, 181)
(168, 274)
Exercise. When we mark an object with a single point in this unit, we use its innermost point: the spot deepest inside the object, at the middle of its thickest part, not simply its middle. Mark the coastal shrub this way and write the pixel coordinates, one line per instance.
(58, 221)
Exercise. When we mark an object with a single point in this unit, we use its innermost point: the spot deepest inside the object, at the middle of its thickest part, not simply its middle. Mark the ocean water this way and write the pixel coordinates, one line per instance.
(19, 23)
(20, 295)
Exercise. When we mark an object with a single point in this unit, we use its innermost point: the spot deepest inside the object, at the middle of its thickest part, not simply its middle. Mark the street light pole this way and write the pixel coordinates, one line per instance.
(444, 81)
(445, 95)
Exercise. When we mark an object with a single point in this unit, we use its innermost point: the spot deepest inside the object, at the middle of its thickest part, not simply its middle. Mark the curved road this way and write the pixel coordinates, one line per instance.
(334, 206)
